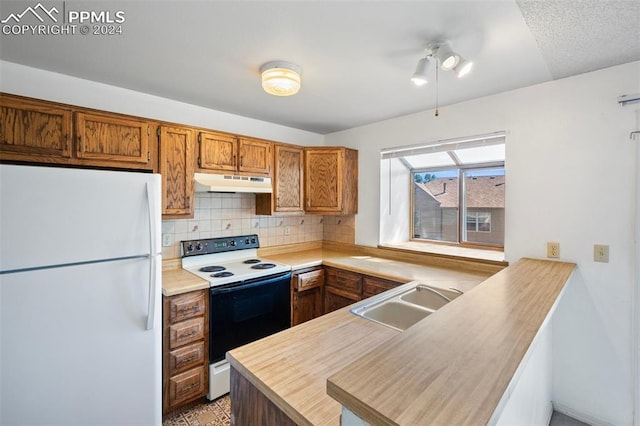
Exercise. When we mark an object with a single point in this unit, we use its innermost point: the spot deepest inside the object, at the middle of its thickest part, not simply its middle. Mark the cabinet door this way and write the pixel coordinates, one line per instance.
(335, 299)
(323, 180)
(113, 140)
(255, 156)
(289, 172)
(33, 131)
(177, 168)
(218, 152)
(307, 305)
(344, 280)
(372, 286)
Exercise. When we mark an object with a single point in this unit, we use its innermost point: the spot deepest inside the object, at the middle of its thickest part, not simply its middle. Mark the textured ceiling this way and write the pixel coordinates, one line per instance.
(357, 56)
(580, 36)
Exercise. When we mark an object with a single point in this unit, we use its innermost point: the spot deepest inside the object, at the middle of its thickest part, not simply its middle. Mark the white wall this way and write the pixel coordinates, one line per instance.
(36, 83)
(394, 205)
(570, 178)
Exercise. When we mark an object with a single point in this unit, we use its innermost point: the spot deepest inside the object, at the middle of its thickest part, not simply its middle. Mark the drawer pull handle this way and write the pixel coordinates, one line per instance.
(188, 360)
(188, 388)
(189, 334)
(186, 309)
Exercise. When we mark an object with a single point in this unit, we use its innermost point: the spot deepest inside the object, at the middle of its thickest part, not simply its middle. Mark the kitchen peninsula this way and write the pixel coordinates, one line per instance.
(452, 367)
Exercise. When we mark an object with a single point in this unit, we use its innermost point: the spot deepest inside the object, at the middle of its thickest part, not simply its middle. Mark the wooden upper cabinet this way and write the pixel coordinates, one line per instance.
(218, 152)
(113, 139)
(225, 153)
(288, 186)
(34, 130)
(331, 180)
(256, 156)
(177, 166)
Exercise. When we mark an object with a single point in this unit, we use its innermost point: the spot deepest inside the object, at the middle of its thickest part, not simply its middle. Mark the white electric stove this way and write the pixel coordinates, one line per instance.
(249, 298)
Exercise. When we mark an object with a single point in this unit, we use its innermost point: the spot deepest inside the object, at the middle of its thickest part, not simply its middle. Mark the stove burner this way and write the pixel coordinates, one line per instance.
(251, 261)
(263, 266)
(222, 274)
(212, 268)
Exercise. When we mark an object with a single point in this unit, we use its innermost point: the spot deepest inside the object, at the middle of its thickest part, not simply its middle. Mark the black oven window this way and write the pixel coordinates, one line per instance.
(247, 312)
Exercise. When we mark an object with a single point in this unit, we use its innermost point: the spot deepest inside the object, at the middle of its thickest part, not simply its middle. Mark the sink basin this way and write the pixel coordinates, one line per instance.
(396, 314)
(404, 306)
(428, 297)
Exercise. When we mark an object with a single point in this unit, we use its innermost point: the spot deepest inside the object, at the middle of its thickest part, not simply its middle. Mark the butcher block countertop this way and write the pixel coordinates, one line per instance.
(176, 280)
(394, 270)
(291, 367)
(453, 367)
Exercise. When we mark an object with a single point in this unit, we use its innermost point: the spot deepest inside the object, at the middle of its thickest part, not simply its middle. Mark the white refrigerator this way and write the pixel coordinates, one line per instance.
(80, 313)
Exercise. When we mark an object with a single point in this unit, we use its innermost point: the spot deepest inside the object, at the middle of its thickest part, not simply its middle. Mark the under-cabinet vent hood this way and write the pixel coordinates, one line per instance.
(206, 182)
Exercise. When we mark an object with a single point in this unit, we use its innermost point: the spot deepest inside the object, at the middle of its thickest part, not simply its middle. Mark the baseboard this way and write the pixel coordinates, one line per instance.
(585, 418)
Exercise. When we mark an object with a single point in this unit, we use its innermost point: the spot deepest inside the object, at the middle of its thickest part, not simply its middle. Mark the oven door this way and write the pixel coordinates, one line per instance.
(244, 312)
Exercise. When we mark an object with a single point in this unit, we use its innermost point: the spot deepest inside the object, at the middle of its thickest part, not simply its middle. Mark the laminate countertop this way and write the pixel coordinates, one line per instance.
(394, 270)
(176, 281)
(475, 345)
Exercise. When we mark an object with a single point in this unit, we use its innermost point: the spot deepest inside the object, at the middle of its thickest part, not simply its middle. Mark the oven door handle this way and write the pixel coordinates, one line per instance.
(256, 282)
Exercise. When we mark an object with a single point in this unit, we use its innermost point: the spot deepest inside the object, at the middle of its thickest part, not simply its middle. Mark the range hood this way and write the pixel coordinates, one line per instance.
(206, 182)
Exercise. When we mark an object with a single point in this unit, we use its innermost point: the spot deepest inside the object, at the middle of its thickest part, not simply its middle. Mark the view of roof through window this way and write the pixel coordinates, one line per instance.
(458, 190)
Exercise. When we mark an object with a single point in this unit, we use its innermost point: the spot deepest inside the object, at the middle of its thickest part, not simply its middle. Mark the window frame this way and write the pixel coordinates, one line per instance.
(461, 231)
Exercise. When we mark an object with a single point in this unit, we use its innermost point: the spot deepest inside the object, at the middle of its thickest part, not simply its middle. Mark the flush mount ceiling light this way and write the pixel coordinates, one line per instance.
(280, 78)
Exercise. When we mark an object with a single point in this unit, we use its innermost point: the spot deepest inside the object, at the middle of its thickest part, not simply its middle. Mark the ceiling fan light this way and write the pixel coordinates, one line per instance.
(419, 77)
(463, 68)
(280, 78)
(447, 58)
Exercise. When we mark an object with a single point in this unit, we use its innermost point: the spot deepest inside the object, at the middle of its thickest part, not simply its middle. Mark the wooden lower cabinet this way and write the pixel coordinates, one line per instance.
(249, 406)
(185, 348)
(306, 294)
(342, 288)
(373, 285)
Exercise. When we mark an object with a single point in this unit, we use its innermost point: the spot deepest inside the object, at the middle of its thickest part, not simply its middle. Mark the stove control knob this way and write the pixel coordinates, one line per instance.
(190, 247)
(253, 241)
(199, 246)
(232, 243)
(246, 241)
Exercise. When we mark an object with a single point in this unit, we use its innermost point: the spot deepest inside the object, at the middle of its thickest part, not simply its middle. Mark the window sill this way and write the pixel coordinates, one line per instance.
(463, 253)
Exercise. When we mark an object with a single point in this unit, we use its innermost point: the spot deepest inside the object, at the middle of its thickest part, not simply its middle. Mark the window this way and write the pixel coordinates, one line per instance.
(478, 221)
(457, 190)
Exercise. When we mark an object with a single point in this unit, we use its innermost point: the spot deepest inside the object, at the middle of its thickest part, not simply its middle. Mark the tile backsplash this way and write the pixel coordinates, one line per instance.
(222, 215)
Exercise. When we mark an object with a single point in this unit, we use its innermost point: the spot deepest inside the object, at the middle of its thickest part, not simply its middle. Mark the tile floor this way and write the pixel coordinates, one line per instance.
(205, 413)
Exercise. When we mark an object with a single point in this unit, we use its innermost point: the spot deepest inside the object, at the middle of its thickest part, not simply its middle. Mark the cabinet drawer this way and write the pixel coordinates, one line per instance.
(344, 280)
(186, 306)
(309, 280)
(186, 332)
(184, 358)
(186, 386)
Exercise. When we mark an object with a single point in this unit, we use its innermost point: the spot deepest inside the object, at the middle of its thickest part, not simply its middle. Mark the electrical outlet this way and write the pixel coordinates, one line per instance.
(167, 240)
(553, 250)
(601, 253)
(287, 230)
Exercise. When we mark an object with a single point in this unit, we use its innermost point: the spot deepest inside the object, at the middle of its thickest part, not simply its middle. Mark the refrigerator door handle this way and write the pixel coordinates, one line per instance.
(152, 257)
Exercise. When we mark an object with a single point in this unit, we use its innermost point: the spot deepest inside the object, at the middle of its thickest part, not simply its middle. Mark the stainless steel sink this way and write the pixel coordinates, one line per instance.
(404, 306)
(429, 297)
